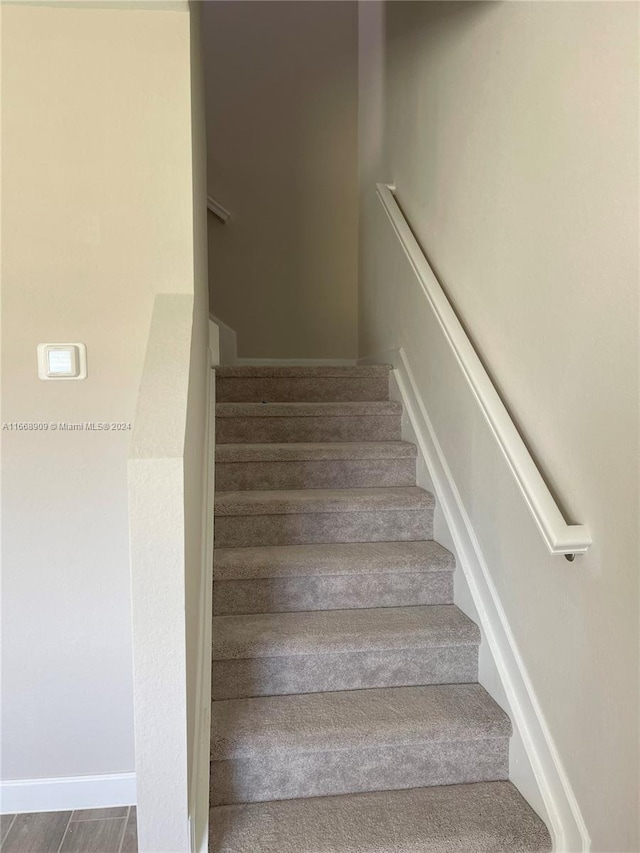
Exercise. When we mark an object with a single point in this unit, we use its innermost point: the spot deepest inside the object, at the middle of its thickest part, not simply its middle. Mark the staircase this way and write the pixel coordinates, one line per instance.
(347, 717)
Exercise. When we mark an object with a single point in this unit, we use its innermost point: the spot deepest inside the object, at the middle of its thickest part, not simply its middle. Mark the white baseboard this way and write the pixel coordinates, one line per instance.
(67, 793)
(563, 813)
(295, 362)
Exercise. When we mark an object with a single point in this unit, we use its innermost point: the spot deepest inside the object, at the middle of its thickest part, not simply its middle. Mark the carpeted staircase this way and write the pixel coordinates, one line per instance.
(347, 717)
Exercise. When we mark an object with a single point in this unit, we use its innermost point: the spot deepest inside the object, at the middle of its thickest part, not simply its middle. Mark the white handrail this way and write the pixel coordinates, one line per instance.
(218, 210)
(560, 537)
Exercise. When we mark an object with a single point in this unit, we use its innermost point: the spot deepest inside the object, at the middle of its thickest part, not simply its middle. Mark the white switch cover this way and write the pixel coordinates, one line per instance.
(62, 361)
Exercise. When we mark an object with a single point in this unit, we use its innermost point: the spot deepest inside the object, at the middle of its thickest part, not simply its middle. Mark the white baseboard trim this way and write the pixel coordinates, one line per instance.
(566, 822)
(295, 362)
(67, 793)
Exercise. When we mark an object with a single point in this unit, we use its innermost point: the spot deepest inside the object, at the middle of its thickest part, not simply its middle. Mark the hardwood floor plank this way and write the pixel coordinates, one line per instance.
(93, 836)
(36, 833)
(130, 840)
(5, 825)
(99, 814)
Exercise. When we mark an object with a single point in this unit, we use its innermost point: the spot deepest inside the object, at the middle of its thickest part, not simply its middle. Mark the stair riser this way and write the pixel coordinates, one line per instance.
(290, 775)
(489, 817)
(297, 390)
(238, 531)
(319, 560)
(241, 430)
(235, 679)
(332, 592)
(321, 474)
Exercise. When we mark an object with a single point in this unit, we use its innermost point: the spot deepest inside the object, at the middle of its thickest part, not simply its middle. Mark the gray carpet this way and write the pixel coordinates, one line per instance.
(302, 384)
(239, 423)
(336, 576)
(346, 714)
(331, 559)
(482, 818)
(320, 465)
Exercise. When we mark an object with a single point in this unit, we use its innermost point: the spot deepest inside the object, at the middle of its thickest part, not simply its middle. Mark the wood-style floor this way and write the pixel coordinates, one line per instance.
(89, 831)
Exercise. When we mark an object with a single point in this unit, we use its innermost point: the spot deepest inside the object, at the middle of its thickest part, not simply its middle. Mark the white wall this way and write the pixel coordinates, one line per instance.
(281, 82)
(97, 219)
(511, 131)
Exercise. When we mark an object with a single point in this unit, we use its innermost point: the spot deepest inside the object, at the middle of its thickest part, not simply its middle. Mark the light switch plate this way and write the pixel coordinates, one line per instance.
(62, 361)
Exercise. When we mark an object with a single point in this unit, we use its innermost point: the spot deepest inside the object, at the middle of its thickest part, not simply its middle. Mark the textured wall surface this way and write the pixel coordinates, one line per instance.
(511, 133)
(94, 225)
(281, 82)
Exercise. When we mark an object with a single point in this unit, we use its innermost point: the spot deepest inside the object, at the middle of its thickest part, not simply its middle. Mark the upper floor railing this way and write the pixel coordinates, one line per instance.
(218, 210)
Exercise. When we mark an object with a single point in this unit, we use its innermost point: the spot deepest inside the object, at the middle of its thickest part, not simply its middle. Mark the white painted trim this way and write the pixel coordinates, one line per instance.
(520, 770)
(202, 740)
(295, 362)
(566, 822)
(67, 793)
(560, 537)
(218, 210)
(214, 343)
(227, 342)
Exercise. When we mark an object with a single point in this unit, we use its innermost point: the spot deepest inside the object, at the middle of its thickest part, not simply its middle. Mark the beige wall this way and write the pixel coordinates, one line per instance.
(97, 210)
(171, 531)
(511, 133)
(281, 82)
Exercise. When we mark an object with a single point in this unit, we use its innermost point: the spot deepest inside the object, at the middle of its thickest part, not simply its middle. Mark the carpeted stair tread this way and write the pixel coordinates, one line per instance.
(347, 717)
(355, 719)
(303, 501)
(335, 558)
(324, 744)
(320, 450)
(293, 422)
(340, 631)
(331, 576)
(314, 466)
(359, 371)
(302, 384)
(385, 408)
(485, 817)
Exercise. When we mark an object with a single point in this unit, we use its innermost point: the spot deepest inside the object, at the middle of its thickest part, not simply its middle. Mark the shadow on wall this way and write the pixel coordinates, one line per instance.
(421, 33)
(412, 31)
(282, 135)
